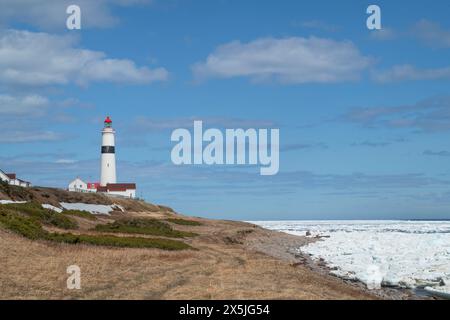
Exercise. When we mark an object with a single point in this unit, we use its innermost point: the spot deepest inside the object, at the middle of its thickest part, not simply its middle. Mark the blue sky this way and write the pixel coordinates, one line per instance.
(364, 116)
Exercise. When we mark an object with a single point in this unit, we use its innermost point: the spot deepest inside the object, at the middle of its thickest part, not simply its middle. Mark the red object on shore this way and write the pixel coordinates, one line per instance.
(93, 185)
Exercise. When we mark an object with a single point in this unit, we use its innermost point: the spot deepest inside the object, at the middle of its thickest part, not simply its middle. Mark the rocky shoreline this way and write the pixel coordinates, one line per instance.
(222, 260)
(287, 247)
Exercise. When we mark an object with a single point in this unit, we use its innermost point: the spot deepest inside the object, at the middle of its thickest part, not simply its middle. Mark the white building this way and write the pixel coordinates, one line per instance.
(11, 178)
(4, 177)
(125, 190)
(108, 158)
(78, 185)
(108, 183)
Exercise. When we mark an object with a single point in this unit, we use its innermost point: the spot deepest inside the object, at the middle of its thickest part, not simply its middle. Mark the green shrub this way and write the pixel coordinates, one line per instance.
(80, 213)
(28, 227)
(15, 192)
(127, 242)
(184, 222)
(31, 228)
(45, 216)
(143, 226)
(4, 185)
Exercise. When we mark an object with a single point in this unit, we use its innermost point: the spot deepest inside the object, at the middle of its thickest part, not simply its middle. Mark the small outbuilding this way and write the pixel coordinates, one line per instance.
(125, 190)
(11, 178)
(78, 185)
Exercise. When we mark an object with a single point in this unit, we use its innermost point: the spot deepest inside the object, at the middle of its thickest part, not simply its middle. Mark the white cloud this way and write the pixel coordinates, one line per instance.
(51, 14)
(426, 31)
(432, 34)
(65, 161)
(317, 25)
(289, 60)
(25, 105)
(40, 59)
(408, 73)
(384, 34)
(25, 118)
(115, 70)
(146, 124)
(24, 135)
(429, 115)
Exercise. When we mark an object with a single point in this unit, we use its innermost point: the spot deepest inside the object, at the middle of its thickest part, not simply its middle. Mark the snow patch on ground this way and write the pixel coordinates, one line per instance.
(10, 201)
(92, 208)
(399, 253)
(118, 207)
(53, 208)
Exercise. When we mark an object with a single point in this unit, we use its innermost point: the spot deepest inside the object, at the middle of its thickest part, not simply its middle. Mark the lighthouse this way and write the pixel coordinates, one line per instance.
(107, 184)
(108, 168)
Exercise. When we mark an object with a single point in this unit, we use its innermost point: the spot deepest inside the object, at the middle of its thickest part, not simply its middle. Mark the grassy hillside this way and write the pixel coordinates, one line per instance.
(147, 252)
(54, 196)
(34, 222)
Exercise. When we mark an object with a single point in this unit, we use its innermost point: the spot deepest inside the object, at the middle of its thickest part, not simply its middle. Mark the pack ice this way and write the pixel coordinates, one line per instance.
(395, 253)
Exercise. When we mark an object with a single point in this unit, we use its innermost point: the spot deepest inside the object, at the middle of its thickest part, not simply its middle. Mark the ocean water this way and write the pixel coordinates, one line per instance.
(409, 254)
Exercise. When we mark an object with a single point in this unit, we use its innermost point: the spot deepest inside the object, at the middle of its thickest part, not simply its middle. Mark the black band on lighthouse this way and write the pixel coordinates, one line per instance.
(108, 149)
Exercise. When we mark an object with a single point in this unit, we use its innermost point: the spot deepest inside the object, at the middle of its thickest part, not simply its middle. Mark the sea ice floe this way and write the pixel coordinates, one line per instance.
(443, 292)
(401, 253)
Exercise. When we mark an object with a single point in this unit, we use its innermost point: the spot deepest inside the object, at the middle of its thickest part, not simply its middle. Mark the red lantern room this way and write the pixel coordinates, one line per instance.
(108, 122)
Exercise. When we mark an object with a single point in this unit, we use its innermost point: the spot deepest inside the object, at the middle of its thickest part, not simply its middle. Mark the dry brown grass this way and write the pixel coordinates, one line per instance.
(54, 196)
(220, 269)
(233, 260)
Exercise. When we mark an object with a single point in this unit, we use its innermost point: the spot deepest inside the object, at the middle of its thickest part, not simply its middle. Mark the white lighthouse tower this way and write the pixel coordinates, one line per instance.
(108, 184)
(108, 169)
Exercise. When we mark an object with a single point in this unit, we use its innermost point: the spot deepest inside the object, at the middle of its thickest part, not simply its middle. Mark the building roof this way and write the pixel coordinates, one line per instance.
(76, 180)
(121, 186)
(11, 175)
(23, 181)
(2, 174)
(117, 187)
